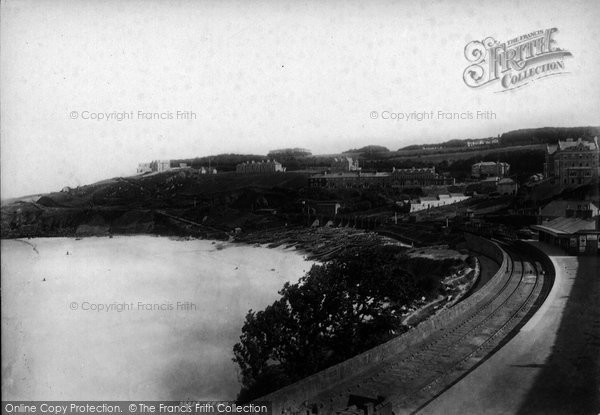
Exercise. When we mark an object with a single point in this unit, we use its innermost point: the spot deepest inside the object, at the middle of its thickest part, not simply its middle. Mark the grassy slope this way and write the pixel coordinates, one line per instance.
(452, 155)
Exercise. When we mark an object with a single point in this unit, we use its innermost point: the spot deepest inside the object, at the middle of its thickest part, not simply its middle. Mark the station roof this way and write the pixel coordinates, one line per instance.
(566, 226)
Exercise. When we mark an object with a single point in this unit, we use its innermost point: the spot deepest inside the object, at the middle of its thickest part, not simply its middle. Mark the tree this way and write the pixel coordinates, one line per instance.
(337, 310)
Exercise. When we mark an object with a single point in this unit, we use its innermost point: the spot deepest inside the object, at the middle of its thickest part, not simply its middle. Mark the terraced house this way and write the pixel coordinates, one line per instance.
(573, 163)
(399, 178)
(268, 166)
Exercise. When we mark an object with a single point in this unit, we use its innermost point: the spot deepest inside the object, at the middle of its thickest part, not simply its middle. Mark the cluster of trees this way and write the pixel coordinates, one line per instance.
(451, 144)
(368, 150)
(285, 153)
(549, 135)
(337, 310)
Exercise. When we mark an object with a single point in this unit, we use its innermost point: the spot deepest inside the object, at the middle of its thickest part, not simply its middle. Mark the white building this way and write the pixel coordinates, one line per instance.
(154, 166)
(144, 168)
(483, 142)
(163, 165)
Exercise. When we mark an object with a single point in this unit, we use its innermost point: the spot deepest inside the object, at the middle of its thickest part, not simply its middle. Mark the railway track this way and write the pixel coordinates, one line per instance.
(409, 380)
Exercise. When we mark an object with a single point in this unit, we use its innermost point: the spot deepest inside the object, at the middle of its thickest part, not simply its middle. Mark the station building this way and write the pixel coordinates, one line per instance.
(577, 236)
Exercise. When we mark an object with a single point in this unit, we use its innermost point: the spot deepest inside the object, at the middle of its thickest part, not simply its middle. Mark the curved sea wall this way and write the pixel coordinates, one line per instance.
(293, 397)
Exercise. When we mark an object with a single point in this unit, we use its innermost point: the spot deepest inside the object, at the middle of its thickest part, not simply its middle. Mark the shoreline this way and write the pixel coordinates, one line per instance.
(217, 243)
(106, 271)
(297, 237)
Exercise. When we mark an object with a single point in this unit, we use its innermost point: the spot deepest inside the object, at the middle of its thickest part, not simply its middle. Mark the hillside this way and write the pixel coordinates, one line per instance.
(522, 137)
(212, 204)
(375, 157)
(184, 201)
(547, 135)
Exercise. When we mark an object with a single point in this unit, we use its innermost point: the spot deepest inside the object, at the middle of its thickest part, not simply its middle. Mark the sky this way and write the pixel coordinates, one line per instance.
(260, 75)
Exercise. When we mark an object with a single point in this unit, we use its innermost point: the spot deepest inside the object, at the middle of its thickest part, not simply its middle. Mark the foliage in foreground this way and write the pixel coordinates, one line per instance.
(337, 310)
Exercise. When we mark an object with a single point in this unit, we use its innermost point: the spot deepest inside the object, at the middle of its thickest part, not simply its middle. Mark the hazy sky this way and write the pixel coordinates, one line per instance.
(263, 75)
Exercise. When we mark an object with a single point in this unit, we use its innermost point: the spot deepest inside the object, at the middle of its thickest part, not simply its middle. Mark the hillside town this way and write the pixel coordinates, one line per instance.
(371, 186)
(568, 164)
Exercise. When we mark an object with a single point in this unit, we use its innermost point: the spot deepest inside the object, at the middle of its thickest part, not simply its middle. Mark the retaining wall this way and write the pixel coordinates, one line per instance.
(485, 247)
(537, 253)
(292, 397)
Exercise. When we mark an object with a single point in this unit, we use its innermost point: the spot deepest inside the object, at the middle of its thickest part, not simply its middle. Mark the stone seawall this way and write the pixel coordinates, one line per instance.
(292, 397)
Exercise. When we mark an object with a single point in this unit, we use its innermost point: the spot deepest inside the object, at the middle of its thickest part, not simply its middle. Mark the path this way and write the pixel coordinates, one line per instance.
(552, 366)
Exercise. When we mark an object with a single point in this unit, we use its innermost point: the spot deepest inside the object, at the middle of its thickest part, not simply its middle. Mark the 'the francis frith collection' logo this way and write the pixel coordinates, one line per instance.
(514, 63)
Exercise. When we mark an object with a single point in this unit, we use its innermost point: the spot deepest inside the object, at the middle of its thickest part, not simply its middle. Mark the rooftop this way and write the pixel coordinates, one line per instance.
(566, 226)
(260, 162)
(490, 163)
(415, 170)
(350, 174)
(570, 143)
